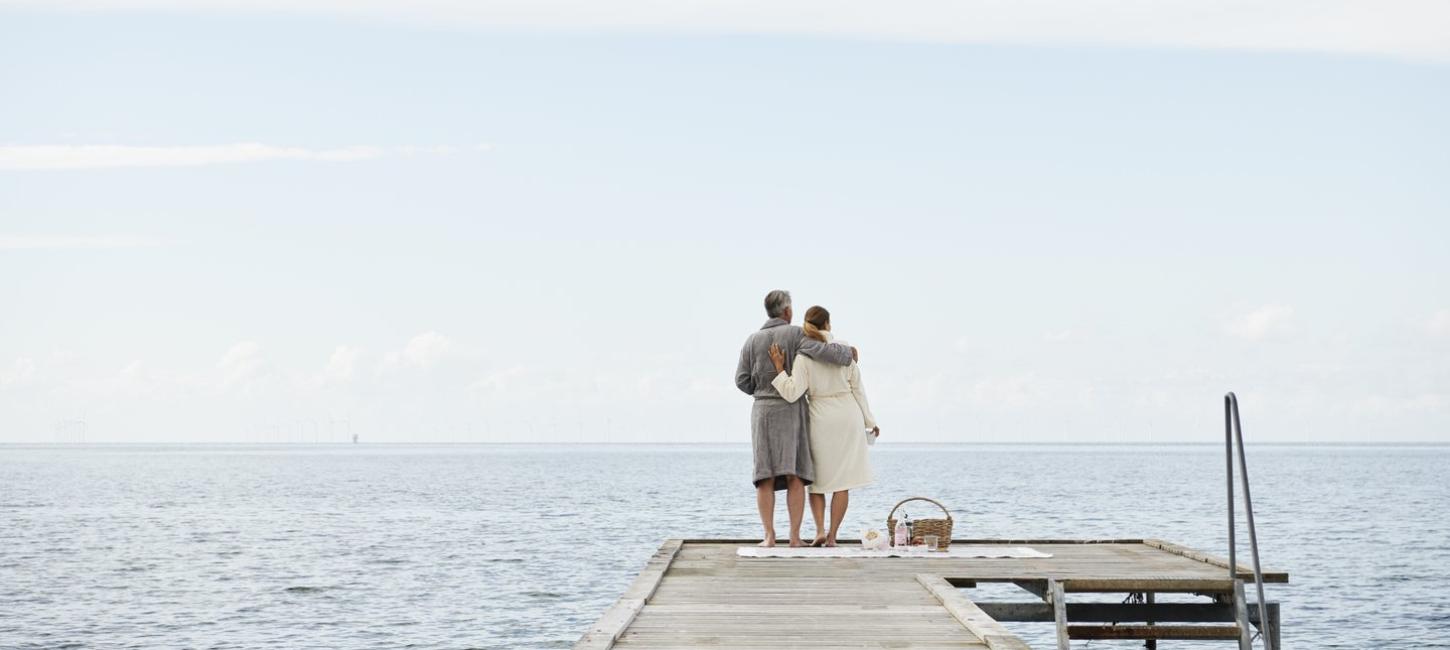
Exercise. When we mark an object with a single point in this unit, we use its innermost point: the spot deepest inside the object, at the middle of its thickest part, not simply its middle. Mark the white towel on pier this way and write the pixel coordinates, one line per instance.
(955, 552)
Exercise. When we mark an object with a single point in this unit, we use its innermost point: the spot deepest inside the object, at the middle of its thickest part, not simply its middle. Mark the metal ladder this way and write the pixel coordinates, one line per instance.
(1229, 592)
(1233, 432)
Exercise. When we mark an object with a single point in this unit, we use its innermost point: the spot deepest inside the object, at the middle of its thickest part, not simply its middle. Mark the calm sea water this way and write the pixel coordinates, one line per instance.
(523, 546)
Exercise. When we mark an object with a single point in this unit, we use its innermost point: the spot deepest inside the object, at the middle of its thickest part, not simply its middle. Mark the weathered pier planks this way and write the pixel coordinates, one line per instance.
(698, 593)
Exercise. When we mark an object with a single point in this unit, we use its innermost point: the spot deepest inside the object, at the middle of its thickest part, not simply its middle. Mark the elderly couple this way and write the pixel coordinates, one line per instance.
(819, 442)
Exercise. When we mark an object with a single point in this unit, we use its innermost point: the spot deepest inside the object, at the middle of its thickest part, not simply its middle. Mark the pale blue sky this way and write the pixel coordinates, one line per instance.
(504, 234)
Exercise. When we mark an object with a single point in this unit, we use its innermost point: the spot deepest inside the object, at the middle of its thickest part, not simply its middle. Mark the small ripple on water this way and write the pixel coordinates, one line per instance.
(305, 589)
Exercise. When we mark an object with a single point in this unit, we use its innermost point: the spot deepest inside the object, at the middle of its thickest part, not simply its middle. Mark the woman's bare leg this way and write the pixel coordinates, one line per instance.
(795, 502)
(839, 502)
(818, 512)
(765, 502)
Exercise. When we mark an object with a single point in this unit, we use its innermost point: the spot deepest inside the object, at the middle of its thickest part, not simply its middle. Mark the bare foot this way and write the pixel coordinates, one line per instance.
(820, 540)
(795, 542)
(768, 543)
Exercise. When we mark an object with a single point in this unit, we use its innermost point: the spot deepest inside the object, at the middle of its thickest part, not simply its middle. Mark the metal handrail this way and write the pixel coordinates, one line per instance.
(1234, 431)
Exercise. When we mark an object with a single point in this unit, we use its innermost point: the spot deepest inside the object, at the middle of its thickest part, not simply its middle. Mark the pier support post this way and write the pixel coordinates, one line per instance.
(1272, 630)
(1241, 617)
(1150, 644)
(1059, 613)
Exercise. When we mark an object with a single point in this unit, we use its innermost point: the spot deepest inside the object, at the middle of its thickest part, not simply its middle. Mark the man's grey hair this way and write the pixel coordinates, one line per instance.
(776, 303)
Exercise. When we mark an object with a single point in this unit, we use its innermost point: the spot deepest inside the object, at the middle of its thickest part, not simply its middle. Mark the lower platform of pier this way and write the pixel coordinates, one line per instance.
(702, 593)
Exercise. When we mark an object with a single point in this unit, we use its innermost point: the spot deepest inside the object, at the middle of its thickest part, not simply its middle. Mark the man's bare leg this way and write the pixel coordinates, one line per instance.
(839, 502)
(765, 502)
(795, 502)
(818, 512)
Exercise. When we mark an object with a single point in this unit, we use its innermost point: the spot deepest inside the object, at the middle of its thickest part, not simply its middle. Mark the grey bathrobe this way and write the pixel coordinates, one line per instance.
(780, 430)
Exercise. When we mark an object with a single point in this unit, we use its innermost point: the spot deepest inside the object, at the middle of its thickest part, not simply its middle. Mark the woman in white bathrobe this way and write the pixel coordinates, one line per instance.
(839, 418)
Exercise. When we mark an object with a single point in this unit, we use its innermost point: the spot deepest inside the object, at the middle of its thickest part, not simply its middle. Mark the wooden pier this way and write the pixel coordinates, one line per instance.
(699, 593)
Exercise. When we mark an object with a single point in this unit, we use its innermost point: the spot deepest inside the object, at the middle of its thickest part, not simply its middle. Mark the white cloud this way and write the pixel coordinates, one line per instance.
(19, 374)
(341, 365)
(138, 380)
(1439, 324)
(242, 363)
(1262, 323)
(1059, 336)
(40, 242)
(427, 349)
(92, 156)
(132, 371)
(1411, 29)
(423, 351)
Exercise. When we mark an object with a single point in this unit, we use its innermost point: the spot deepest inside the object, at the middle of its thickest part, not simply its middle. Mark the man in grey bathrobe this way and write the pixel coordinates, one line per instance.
(780, 431)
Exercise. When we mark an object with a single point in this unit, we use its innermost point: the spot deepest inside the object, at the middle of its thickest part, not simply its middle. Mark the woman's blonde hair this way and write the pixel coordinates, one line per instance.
(817, 319)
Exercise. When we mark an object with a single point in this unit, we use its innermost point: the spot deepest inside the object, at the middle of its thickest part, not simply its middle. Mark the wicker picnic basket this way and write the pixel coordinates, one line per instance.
(920, 528)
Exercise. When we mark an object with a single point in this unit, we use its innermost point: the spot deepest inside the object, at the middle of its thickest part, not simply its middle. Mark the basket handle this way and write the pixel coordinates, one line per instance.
(902, 502)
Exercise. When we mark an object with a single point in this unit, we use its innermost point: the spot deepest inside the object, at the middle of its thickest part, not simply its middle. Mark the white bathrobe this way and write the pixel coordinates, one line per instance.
(839, 416)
